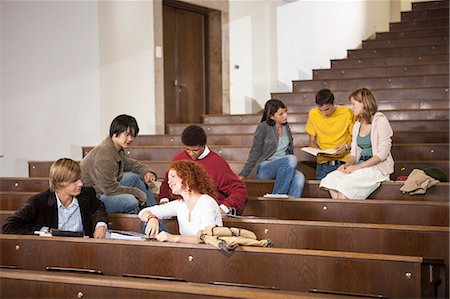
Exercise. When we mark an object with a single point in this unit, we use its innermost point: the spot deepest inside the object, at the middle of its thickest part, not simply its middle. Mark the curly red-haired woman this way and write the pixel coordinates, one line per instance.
(196, 210)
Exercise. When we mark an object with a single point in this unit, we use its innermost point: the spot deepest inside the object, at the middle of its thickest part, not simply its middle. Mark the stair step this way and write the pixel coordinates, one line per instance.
(439, 12)
(392, 94)
(412, 114)
(298, 104)
(386, 71)
(399, 51)
(394, 42)
(423, 32)
(389, 61)
(403, 125)
(416, 6)
(428, 23)
(371, 83)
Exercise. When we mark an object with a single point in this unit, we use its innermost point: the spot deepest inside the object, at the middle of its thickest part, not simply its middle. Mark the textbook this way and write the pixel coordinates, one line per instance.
(315, 151)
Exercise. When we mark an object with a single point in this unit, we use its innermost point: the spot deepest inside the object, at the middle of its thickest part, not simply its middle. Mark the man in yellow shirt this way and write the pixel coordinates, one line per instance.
(330, 126)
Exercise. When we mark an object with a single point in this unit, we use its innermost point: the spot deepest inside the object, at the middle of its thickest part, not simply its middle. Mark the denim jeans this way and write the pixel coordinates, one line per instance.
(127, 203)
(288, 180)
(323, 169)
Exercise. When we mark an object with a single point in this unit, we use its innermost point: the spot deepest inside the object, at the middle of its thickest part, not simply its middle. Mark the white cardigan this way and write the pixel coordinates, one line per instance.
(381, 139)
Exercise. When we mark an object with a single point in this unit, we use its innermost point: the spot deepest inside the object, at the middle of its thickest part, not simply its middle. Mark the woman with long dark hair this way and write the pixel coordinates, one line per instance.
(271, 155)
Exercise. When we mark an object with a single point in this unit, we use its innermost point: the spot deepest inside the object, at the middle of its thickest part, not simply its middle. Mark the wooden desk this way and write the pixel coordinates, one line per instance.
(287, 269)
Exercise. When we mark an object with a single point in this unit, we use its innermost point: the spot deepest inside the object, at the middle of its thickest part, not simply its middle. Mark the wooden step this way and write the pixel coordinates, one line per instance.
(386, 71)
(428, 213)
(17, 283)
(298, 104)
(405, 114)
(408, 151)
(372, 83)
(441, 48)
(403, 125)
(394, 42)
(431, 13)
(388, 61)
(425, 5)
(422, 32)
(300, 139)
(381, 95)
(426, 23)
(271, 267)
(387, 191)
(22, 184)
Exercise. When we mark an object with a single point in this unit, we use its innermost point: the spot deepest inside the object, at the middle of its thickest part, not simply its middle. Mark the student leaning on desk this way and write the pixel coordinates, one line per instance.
(196, 209)
(66, 205)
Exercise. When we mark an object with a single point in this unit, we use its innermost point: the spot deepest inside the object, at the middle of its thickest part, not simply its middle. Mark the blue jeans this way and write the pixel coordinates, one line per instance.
(127, 203)
(288, 180)
(323, 169)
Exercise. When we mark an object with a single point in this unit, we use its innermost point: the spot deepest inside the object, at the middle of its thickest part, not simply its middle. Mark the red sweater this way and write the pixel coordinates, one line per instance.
(231, 191)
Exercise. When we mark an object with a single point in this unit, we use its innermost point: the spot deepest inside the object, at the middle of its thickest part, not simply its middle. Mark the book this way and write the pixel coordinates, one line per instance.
(125, 235)
(271, 195)
(315, 151)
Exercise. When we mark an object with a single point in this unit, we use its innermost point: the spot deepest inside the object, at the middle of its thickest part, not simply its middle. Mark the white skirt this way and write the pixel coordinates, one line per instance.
(356, 185)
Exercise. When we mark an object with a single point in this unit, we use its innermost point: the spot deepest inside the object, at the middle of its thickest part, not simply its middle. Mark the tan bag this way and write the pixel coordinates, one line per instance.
(228, 238)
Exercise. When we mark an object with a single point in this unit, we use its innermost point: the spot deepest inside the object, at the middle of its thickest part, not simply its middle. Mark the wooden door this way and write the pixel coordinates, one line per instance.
(184, 65)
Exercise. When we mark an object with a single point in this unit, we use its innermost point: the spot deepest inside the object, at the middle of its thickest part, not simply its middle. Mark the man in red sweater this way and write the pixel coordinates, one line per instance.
(231, 191)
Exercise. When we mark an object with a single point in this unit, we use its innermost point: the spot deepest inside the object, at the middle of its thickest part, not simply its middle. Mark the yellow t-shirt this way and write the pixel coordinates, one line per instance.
(331, 131)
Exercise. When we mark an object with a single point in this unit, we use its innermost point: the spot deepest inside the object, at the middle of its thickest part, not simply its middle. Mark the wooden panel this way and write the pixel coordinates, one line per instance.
(387, 190)
(27, 284)
(287, 269)
(357, 211)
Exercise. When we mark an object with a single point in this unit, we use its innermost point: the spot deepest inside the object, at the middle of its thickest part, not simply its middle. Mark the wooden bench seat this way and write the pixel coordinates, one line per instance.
(437, 80)
(434, 213)
(381, 71)
(418, 151)
(403, 114)
(401, 125)
(356, 211)
(300, 139)
(286, 269)
(16, 283)
(387, 190)
(392, 94)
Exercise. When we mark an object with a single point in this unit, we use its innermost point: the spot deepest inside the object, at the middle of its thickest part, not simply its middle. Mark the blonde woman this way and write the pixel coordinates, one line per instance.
(370, 162)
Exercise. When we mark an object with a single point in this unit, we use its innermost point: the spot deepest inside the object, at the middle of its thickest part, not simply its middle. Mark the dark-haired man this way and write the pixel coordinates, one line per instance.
(120, 182)
(231, 191)
(330, 126)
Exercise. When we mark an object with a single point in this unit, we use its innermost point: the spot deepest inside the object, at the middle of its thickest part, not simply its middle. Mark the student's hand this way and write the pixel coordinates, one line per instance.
(340, 150)
(352, 168)
(149, 177)
(100, 232)
(342, 168)
(152, 228)
(166, 237)
(241, 177)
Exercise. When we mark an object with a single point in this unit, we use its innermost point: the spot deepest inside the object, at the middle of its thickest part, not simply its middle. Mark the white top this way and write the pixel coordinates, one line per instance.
(206, 212)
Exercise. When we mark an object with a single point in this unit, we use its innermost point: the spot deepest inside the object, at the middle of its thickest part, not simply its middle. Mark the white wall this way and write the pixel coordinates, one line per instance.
(68, 68)
(127, 82)
(50, 95)
(303, 35)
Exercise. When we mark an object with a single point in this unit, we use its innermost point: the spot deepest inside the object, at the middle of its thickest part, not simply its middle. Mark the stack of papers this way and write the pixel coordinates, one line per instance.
(125, 235)
(271, 195)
